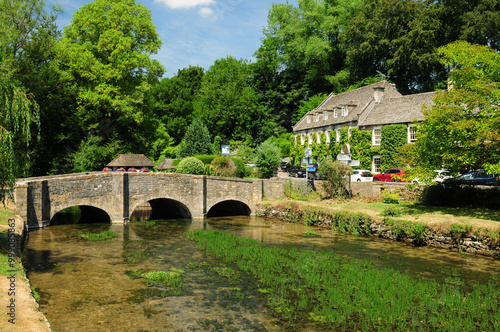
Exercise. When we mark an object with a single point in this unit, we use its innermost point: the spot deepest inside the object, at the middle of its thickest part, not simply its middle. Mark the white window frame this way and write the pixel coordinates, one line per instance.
(317, 117)
(302, 139)
(345, 111)
(335, 113)
(376, 139)
(412, 134)
(325, 116)
(376, 163)
(327, 134)
(309, 139)
(308, 118)
(337, 135)
(318, 137)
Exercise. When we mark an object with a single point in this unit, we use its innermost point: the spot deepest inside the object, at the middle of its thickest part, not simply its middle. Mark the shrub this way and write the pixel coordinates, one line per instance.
(336, 175)
(206, 158)
(196, 141)
(240, 167)
(267, 159)
(191, 165)
(390, 198)
(223, 166)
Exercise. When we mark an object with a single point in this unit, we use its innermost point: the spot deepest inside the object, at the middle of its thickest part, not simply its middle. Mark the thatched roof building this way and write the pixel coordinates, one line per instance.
(130, 160)
(166, 164)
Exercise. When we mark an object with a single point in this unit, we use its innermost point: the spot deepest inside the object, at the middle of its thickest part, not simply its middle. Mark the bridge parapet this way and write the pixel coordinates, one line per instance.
(119, 193)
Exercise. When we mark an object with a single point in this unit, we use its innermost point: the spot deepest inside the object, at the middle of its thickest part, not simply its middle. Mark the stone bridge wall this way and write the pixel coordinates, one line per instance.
(118, 194)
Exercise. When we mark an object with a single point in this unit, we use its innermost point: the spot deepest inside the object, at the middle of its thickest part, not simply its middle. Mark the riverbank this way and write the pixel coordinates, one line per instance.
(20, 311)
(474, 231)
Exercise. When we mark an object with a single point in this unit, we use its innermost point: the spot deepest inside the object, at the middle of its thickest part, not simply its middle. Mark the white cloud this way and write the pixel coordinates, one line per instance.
(206, 12)
(177, 4)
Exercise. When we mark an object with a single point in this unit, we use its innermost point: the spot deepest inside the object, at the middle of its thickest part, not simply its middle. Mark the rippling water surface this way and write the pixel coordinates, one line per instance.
(87, 286)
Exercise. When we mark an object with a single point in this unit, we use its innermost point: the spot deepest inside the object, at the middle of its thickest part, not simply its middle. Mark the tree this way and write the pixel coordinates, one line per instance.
(227, 102)
(106, 52)
(462, 129)
(267, 159)
(336, 176)
(196, 141)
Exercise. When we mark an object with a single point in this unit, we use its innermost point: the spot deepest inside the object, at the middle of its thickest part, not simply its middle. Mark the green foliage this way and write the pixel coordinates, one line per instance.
(335, 175)
(240, 167)
(361, 147)
(223, 166)
(408, 229)
(267, 159)
(462, 129)
(102, 236)
(300, 192)
(393, 138)
(335, 147)
(283, 142)
(390, 197)
(460, 230)
(196, 141)
(453, 195)
(92, 156)
(205, 158)
(309, 105)
(191, 165)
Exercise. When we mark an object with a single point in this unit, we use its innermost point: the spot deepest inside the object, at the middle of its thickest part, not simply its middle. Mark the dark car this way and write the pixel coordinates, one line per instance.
(478, 177)
(296, 172)
(284, 167)
(391, 175)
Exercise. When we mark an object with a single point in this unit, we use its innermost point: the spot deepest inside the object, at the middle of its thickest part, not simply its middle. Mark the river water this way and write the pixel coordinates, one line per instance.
(89, 286)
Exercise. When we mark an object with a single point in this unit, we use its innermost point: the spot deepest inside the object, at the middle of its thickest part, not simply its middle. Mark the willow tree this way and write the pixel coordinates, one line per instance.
(17, 114)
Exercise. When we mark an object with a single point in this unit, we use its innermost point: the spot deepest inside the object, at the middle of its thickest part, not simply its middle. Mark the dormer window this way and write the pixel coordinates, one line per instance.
(345, 111)
(317, 117)
(335, 113)
(325, 115)
(309, 119)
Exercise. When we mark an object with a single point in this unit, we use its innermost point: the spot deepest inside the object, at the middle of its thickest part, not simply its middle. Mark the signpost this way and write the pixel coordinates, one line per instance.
(225, 150)
(345, 158)
(307, 154)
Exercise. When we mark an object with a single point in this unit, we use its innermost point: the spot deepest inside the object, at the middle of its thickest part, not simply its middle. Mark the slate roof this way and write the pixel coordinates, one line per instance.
(131, 160)
(166, 164)
(357, 100)
(404, 109)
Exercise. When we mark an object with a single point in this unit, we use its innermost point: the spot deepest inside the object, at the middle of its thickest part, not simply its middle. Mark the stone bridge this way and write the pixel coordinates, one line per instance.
(117, 194)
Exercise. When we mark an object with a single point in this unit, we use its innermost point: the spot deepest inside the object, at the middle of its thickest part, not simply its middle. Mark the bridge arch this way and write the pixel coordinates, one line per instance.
(165, 208)
(81, 214)
(229, 207)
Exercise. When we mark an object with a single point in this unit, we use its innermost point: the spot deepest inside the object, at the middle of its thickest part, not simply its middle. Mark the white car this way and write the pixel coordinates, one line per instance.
(361, 175)
(440, 176)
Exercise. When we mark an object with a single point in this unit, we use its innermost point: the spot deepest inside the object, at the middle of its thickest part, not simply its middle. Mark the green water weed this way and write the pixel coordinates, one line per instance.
(102, 236)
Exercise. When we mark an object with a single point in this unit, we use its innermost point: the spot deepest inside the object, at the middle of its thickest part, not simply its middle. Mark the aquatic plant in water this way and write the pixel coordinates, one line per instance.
(350, 294)
(102, 236)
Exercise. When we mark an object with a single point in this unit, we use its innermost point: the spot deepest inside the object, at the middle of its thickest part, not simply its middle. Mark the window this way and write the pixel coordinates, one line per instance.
(318, 137)
(377, 134)
(325, 115)
(309, 119)
(337, 133)
(344, 111)
(376, 162)
(310, 139)
(317, 117)
(302, 139)
(412, 134)
(327, 134)
(335, 113)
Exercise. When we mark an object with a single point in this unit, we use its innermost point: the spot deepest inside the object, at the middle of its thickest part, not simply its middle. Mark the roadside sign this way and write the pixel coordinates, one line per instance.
(354, 163)
(306, 161)
(225, 150)
(311, 169)
(343, 157)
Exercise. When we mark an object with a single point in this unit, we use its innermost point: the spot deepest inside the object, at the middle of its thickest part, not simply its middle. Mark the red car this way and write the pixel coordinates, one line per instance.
(390, 174)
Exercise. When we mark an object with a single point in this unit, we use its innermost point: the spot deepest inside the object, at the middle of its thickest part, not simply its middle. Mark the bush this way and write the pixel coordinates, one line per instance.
(223, 166)
(335, 175)
(267, 159)
(390, 198)
(240, 167)
(206, 158)
(191, 165)
(196, 141)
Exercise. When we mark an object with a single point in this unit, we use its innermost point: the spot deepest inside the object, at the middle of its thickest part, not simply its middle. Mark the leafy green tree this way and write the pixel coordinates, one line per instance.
(106, 52)
(267, 159)
(92, 155)
(462, 129)
(227, 102)
(335, 175)
(196, 141)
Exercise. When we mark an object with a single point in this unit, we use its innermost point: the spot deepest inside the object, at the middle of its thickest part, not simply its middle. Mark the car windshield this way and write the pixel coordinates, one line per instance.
(367, 174)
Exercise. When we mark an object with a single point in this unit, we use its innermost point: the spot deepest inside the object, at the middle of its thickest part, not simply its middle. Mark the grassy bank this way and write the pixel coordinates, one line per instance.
(349, 294)
(409, 222)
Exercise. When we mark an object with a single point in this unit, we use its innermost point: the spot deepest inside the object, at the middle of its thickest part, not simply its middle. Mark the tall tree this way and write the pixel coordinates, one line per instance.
(106, 51)
(196, 141)
(227, 102)
(462, 129)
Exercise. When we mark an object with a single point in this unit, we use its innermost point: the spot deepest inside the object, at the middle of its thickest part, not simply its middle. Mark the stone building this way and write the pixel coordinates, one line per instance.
(368, 108)
(127, 161)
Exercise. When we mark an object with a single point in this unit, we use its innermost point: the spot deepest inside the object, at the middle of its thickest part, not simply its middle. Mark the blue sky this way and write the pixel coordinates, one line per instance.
(197, 32)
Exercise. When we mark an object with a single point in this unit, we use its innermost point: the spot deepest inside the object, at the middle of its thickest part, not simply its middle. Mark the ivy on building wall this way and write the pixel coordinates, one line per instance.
(393, 138)
(361, 147)
(335, 147)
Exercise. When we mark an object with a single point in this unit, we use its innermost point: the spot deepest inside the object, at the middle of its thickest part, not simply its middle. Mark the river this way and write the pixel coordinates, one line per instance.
(89, 286)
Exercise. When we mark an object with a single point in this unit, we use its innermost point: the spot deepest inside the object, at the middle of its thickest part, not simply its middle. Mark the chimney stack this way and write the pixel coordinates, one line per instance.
(378, 94)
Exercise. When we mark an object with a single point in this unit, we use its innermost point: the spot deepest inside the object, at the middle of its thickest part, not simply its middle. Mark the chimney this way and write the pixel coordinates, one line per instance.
(378, 94)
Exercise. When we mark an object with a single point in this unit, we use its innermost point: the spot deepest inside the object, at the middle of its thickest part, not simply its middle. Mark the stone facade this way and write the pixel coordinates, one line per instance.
(119, 193)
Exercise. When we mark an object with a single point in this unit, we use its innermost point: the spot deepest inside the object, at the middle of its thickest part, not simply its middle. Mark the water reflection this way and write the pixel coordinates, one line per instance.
(87, 286)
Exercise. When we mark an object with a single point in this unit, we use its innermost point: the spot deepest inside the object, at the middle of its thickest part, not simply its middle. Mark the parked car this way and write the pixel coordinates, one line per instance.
(284, 167)
(361, 175)
(296, 172)
(391, 175)
(478, 177)
(440, 176)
